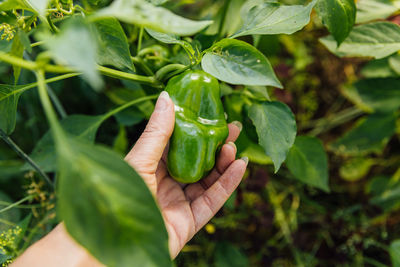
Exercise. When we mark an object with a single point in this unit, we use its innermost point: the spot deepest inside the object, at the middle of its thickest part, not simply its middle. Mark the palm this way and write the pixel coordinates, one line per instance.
(185, 209)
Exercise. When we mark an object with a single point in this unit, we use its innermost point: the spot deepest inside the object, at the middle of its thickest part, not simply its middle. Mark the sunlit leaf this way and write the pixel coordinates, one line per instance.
(157, 18)
(377, 39)
(274, 18)
(237, 62)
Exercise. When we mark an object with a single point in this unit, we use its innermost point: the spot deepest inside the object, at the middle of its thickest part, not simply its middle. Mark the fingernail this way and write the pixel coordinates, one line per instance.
(162, 102)
(238, 124)
(233, 145)
(246, 160)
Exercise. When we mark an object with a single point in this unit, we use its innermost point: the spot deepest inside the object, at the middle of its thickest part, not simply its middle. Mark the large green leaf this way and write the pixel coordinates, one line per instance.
(276, 129)
(76, 47)
(308, 162)
(370, 135)
(394, 251)
(375, 95)
(237, 62)
(377, 39)
(338, 16)
(107, 207)
(274, 18)
(113, 47)
(145, 14)
(368, 10)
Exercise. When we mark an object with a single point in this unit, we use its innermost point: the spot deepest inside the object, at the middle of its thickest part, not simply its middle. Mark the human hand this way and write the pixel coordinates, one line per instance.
(185, 209)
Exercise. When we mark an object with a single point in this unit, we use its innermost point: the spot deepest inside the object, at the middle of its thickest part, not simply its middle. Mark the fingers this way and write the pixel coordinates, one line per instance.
(235, 128)
(226, 157)
(207, 204)
(147, 152)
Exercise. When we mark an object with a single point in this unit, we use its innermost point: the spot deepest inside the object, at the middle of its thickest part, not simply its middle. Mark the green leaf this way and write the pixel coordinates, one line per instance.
(37, 6)
(375, 95)
(81, 126)
(338, 16)
(394, 251)
(370, 135)
(113, 47)
(237, 62)
(308, 162)
(368, 10)
(377, 39)
(168, 38)
(9, 96)
(379, 68)
(227, 255)
(107, 207)
(145, 14)
(15, 4)
(274, 18)
(276, 129)
(75, 46)
(17, 50)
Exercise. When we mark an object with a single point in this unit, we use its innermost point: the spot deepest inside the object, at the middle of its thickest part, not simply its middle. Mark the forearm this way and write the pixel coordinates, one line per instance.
(56, 249)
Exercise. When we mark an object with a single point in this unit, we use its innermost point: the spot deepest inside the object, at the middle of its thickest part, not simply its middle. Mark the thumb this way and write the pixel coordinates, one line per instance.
(147, 152)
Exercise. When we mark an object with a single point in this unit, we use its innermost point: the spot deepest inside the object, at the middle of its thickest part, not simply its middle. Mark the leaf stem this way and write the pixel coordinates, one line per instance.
(25, 157)
(139, 46)
(16, 203)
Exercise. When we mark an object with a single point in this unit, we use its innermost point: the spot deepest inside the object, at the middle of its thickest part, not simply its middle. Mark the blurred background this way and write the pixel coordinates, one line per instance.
(272, 219)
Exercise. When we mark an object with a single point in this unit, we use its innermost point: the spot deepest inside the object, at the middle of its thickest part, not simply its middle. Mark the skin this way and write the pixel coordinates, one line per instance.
(185, 208)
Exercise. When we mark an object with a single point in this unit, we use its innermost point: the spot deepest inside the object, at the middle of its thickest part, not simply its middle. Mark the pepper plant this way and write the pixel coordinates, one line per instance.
(124, 52)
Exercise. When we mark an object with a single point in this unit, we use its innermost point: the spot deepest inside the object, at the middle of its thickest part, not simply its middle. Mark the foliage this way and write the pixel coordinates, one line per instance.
(323, 184)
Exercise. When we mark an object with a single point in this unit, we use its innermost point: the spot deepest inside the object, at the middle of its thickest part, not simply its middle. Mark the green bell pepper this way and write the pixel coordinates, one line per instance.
(200, 125)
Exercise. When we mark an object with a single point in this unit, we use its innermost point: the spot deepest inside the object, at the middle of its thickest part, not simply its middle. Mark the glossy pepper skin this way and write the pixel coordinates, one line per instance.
(200, 125)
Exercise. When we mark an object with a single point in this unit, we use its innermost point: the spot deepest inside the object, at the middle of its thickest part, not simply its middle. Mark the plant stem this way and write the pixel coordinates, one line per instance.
(129, 104)
(57, 104)
(129, 76)
(162, 73)
(33, 85)
(58, 133)
(138, 61)
(33, 66)
(25, 157)
(16, 203)
(139, 47)
(53, 96)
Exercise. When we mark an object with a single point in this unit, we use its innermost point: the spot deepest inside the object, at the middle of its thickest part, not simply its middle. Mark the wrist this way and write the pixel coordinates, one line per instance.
(56, 249)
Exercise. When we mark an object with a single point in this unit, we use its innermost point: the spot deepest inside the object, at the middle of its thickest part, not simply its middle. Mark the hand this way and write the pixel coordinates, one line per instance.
(185, 209)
